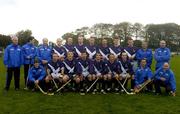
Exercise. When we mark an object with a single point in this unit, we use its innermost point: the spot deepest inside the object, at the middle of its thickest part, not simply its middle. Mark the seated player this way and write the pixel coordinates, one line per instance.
(127, 70)
(98, 71)
(69, 68)
(36, 75)
(55, 72)
(113, 71)
(83, 71)
(143, 74)
(164, 76)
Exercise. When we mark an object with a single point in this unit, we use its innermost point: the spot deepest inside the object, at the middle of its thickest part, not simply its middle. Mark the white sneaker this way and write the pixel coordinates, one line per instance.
(108, 89)
(102, 91)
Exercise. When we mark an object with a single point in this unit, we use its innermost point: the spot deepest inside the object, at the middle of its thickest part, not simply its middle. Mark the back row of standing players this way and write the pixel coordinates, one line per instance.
(85, 63)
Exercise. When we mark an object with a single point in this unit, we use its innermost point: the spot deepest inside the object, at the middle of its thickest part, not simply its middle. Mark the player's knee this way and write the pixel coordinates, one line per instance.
(65, 78)
(105, 77)
(109, 77)
(77, 80)
(47, 80)
(89, 78)
(93, 77)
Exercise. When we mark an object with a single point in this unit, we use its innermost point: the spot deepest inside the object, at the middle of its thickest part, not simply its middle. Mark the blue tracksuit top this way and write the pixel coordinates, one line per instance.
(147, 54)
(29, 53)
(161, 56)
(44, 53)
(36, 73)
(168, 75)
(13, 56)
(142, 74)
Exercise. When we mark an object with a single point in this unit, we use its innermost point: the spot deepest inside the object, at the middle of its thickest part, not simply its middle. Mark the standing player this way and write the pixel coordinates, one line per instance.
(44, 53)
(162, 54)
(131, 52)
(116, 49)
(144, 53)
(29, 53)
(104, 49)
(59, 49)
(69, 45)
(13, 59)
(91, 48)
(79, 48)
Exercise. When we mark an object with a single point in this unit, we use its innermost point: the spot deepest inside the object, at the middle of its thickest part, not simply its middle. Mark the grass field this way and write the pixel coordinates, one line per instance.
(26, 102)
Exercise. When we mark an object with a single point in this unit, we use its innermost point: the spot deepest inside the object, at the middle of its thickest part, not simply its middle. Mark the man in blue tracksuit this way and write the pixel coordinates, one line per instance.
(162, 54)
(44, 52)
(146, 53)
(164, 76)
(13, 59)
(36, 75)
(29, 52)
(142, 74)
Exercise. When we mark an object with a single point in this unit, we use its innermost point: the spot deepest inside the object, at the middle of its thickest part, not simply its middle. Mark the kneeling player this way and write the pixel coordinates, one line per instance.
(83, 68)
(143, 75)
(165, 77)
(55, 72)
(113, 71)
(36, 75)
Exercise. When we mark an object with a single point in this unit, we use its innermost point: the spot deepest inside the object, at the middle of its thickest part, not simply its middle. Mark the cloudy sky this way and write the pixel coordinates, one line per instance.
(53, 18)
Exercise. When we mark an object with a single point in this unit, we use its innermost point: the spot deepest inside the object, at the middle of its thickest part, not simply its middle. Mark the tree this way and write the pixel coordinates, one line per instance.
(23, 36)
(169, 32)
(125, 28)
(138, 30)
(4, 40)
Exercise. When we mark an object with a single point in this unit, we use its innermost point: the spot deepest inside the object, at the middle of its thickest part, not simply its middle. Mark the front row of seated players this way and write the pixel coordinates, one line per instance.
(83, 72)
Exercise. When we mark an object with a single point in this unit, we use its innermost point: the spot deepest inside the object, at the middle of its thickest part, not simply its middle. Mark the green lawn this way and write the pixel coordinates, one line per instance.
(72, 103)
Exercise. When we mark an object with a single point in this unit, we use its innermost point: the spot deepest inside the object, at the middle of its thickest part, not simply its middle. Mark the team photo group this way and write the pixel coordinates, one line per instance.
(89, 68)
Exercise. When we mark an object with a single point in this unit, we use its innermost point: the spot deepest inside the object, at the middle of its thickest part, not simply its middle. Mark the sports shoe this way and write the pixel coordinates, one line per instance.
(102, 91)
